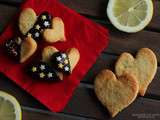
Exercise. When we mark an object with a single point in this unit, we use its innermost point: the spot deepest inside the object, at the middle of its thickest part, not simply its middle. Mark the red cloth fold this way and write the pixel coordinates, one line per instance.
(88, 37)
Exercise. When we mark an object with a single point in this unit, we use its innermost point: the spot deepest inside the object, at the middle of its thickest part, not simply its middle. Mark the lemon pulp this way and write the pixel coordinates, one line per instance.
(130, 15)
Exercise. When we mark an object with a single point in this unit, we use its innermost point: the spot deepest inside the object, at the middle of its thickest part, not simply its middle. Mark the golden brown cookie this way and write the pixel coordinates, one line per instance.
(74, 57)
(143, 67)
(56, 33)
(27, 19)
(28, 48)
(115, 93)
(47, 53)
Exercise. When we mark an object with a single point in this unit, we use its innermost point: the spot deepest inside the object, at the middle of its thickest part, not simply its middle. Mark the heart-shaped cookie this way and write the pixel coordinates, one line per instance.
(19, 49)
(32, 26)
(43, 22)
(73, 56)
(28, 48)
(27, 19)
(56, 33)
(115, 93)
(143, 67)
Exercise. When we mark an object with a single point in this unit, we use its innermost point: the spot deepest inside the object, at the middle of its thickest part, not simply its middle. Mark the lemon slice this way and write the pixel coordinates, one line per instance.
(9, 107)
(130, 15)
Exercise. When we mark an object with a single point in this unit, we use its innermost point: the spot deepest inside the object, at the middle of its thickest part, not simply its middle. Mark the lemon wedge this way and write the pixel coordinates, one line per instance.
(9, 107)
(130, 15)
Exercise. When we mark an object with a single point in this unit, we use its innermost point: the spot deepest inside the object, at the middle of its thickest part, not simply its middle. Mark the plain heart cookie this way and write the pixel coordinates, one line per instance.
(56, 33)
(115, 93)
(143, 67)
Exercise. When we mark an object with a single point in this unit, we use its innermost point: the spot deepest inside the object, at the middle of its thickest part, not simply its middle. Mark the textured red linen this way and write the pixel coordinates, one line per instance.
(88, 37)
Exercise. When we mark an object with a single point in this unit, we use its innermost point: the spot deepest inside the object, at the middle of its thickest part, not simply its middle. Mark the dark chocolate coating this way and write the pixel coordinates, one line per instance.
(61, 62)
(42, 71)
(12, 47)
(35, 34)
(43, 18)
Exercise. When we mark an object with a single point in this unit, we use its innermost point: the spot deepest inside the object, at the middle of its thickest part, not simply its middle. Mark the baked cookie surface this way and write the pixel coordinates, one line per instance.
(143, 67)
(115, 93)
(27, 19)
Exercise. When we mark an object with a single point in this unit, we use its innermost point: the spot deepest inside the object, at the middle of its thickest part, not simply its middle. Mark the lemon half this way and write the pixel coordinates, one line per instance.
(130, 15)
(9, 107)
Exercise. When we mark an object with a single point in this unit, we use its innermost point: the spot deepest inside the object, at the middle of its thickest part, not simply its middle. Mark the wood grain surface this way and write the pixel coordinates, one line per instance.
(84, 104)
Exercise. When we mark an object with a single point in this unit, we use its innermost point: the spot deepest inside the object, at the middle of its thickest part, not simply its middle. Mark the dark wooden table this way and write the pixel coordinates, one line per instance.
(84, 104)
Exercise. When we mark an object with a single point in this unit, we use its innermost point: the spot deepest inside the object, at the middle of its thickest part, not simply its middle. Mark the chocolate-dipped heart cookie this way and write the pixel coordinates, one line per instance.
(51, 29)
(43, 22)
(143, 67)
(21, 50)
(63, 62)
(115, 93)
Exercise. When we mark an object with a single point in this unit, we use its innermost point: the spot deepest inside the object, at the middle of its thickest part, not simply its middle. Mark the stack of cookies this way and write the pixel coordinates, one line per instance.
(133, 77)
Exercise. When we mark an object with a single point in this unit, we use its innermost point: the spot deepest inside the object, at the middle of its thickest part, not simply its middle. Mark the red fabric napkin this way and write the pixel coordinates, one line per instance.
(88, 37)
